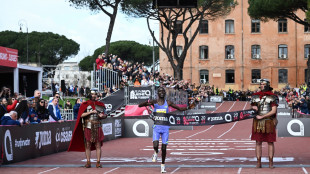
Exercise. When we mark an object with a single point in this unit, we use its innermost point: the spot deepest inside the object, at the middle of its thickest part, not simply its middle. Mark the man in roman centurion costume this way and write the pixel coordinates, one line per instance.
(88, 134)
(263, 130)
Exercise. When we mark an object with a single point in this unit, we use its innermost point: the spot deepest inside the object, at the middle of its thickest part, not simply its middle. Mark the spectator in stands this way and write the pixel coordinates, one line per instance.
(11, 104)
(68, 105)
(303, 106)
(99, 62)
(137, 83)
(5, 92)
(76, 107)
(144, 81)
(33, 116)
(3, 105)
(129, 81)
(42, 110)
(37, 95)
(52, 109)
(10, 119)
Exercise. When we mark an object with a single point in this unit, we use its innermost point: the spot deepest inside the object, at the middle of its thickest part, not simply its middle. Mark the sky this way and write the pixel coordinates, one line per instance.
(87, 28)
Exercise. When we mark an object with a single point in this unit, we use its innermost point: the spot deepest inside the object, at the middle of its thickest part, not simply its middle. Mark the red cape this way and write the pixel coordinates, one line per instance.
(261, 93)
(77, 141)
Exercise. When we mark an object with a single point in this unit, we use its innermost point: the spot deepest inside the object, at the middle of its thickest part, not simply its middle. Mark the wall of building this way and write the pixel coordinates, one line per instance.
(268, 38)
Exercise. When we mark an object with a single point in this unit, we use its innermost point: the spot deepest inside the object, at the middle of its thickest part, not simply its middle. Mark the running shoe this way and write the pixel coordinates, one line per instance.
(154, 157)
(163, 168)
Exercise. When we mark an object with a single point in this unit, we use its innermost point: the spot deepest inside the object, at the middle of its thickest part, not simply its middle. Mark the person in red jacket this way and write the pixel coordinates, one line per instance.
(88, 134)
(99, 62)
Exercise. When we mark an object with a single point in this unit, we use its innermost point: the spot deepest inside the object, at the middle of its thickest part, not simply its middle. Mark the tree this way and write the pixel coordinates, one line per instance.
(277, 9)
(171, 18)
(45, 48)
(104, 6)
(126, 50)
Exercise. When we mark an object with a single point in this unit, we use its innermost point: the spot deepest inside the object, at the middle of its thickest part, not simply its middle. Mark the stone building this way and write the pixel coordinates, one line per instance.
(234, 51)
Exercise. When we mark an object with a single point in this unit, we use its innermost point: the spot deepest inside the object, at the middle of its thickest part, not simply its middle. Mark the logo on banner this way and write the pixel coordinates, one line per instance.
(215, 118)
(8, 153)
(43, 138)
(63, 135)
(146, 128)
(118, 127)
(301, 131)
(140, 94)
(107, 129)
(22, 143)
(108, 107)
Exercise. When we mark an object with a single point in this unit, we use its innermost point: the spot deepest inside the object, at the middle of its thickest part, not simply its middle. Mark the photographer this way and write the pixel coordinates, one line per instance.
(5, 92)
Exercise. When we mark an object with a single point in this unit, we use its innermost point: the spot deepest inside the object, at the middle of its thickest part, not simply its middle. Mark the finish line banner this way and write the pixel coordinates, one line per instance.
(202, 119)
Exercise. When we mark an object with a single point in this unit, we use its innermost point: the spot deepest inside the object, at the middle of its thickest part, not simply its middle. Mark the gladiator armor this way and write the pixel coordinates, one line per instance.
(263, 104)
(92, 122)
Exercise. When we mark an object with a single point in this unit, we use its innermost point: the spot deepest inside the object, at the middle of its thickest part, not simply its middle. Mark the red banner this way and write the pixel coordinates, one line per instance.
(8, 57)
(135, 110)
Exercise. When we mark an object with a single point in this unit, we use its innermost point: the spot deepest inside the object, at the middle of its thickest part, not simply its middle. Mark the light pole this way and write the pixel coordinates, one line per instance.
(153, 58)
(21, 23)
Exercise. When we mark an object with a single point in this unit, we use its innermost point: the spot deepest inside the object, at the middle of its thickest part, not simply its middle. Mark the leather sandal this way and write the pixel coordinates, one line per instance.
(271, 163)
(87, 165)
(259, 163)
(98, 165)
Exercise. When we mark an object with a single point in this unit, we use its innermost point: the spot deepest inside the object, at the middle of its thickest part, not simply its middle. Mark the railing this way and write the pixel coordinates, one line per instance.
(67, 114)
(104, 78)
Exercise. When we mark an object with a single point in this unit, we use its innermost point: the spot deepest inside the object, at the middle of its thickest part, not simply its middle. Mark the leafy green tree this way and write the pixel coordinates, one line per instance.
(126, 50)
(171, 18)
(101, 5)
(277, 9)
(45, 48)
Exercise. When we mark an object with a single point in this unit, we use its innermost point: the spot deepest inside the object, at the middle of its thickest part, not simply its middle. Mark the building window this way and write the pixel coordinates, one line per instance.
(75, 76)
(230, 76)
(256, 75)
(179, 50)
(229, 26)
(282, 51)
(307, 51)
(255, 26)
(255, 51)
(229, 52)
(178, 27)
(67, 76)
(307, 28)
(204, 76)
(282, 25)
(203, 28)
(282, 75)
(66, 68)
(203, 52)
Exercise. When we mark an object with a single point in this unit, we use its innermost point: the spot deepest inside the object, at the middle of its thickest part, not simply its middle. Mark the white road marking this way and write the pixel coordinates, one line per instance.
(239, 171)
(200, 132)
(305, 170)
(175, 170)
(176, 132)
(228, 130)
(111, 170)
(49, 170)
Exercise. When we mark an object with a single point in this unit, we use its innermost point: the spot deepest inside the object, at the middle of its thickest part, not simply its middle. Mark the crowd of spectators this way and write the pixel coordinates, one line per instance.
(16, 109)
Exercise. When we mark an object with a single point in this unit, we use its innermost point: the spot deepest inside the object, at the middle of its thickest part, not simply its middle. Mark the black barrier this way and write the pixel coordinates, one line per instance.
(139, 94)
(216, 99)
(292, 127)
(114, 101)
(140, 126)
(30, 141)
(208, 106)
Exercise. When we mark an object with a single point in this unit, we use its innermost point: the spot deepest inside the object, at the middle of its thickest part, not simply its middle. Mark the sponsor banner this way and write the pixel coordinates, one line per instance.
(139, 94)
(292, 127)
(8, 57)
(22, 143)
(284, 113)
(114, 101)
(135, 110)
(107, 129)
(26, 142)
(138, 127)
(209, 106)
(216, 99)
(282, 106)
(202, 119)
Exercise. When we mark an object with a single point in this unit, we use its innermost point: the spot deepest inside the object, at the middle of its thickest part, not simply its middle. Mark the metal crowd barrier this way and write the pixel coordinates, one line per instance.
(67, 114)
(105, 78)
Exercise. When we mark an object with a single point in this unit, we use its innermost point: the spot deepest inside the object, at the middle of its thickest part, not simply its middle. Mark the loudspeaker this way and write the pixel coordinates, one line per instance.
(63, 86)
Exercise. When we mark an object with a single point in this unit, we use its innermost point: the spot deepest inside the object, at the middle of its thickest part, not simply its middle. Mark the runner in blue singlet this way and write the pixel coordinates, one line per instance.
(161, 106)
